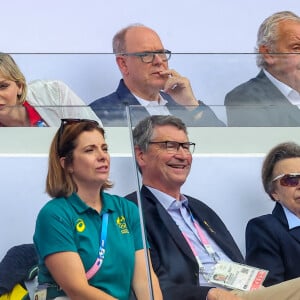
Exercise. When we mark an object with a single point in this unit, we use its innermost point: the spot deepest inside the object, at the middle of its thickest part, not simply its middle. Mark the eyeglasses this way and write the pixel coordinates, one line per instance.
(291, 179)
(173, 147)
(148, 56)
(66, 122)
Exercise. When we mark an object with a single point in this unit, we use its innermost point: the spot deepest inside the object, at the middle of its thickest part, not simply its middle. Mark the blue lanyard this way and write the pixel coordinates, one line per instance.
(98, 263)
(40, 123)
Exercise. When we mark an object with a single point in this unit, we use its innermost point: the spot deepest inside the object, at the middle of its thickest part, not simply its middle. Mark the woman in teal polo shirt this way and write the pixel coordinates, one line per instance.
(89, 242)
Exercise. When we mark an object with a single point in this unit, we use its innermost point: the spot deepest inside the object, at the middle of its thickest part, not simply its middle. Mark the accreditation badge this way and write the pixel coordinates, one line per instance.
(40, 294)
(237, 276)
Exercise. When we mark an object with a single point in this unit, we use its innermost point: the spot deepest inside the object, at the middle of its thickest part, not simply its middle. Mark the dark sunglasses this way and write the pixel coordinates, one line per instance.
(291, 179)
(66, 122)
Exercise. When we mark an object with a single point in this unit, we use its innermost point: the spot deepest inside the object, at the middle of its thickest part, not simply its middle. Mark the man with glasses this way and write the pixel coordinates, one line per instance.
(272, 98)
(186, 237)
(164, 156)
(149, 83)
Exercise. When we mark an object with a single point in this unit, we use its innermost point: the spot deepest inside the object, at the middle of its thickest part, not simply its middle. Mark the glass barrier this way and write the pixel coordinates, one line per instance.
(231, 84)
(170, 166)
(280, 115)
(225, 172)
(211, 134)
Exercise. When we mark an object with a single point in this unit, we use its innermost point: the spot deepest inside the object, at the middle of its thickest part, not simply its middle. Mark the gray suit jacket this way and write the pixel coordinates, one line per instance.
(258, 102)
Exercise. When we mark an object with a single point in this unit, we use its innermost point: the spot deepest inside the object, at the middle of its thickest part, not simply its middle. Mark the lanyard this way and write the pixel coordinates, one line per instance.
(40, 123)
(211, 252)
(98, 263)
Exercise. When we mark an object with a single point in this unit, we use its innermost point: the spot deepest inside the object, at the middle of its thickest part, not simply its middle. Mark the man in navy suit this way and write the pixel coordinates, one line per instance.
(178, 226)
(164, 156)
(272, 98)
(149, 84)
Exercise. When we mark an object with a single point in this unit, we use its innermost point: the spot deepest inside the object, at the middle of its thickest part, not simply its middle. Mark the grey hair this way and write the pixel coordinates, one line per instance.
(276, 154)
(119, 39)
(267, 34)
(143, 131)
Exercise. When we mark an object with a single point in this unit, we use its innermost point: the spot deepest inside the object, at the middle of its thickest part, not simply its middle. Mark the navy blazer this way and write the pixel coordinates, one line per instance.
(111, 110)
(172, 259)
(19, 264)
(258, 102)
(271, 245)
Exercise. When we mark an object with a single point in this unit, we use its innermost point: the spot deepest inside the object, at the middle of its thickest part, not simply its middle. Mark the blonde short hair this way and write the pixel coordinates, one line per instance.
(10, 71)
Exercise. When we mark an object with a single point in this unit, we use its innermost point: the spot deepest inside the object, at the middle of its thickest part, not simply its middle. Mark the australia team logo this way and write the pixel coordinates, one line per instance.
(121, 222)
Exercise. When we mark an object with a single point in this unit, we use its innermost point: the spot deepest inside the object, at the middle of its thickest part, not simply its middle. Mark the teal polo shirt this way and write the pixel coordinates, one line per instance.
(68, 224)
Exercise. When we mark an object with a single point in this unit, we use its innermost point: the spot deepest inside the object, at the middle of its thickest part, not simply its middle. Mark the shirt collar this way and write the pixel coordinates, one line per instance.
(81, 206)
(145, 102)
(291, 94)
(168, 202)
(293, 220)
(33, 115)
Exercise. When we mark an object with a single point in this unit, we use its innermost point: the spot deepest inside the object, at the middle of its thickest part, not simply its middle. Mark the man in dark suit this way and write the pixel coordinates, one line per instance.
(149, 84)
(164, 156)
(177, 225)
(272, 97)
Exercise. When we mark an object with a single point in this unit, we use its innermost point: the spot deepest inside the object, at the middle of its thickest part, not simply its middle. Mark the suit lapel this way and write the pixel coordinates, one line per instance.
(295, 233)
(273, 96)
(137, 111)
(170, 225)
(150, 203)
(279, 214)
(217, 236)
(278, 101)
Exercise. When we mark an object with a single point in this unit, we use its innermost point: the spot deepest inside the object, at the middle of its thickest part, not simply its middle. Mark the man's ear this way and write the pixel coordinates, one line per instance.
(268, 56)
(121, 62)
(139, 156)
